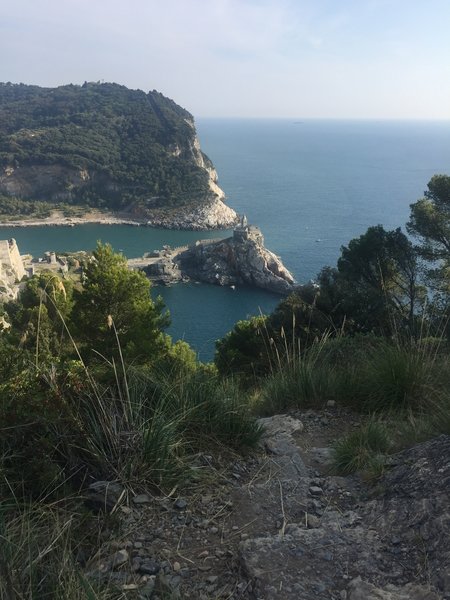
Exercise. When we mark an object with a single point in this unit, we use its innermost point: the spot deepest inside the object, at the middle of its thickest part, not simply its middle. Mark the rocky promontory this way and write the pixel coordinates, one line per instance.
(100, 146)
(238, 260)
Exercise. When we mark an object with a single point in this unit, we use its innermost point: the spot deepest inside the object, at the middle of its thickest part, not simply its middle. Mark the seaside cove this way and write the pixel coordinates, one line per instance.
(218, 307)
(310, 187)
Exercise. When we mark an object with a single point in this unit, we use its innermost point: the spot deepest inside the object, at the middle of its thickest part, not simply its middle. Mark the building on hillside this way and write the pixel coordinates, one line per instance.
(244, 232)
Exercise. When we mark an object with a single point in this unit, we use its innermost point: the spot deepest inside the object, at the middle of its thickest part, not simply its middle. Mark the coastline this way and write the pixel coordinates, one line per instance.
(211, 215)
(56, 220)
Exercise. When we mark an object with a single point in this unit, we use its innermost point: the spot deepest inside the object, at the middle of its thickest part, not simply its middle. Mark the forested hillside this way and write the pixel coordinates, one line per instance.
(99, 144)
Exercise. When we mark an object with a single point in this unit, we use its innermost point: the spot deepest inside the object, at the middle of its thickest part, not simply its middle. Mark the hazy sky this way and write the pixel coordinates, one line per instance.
(249, 58)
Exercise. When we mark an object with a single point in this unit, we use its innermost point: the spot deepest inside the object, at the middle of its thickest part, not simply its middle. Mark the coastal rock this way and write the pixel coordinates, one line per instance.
(239, 260)
(11, 269)
(211, 214)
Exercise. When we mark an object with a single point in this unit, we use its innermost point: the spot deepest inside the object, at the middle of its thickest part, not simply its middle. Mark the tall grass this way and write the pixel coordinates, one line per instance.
(144, 428)
(372, 375)
(161, 422)
(37, 553)
(302, 384)
(301, 379)
(362, 449)
(402, 376)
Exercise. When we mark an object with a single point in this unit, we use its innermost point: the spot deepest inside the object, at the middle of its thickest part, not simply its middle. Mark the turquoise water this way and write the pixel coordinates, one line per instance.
(311, 186)
(132, 241)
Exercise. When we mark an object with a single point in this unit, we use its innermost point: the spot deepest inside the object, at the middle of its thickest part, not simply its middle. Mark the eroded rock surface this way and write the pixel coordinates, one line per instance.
(238, 260)
(361, 590)
(279, 526)
(332, 534)
(211, 214)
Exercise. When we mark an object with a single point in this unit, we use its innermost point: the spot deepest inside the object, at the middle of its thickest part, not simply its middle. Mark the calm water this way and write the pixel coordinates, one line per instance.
(311, 186)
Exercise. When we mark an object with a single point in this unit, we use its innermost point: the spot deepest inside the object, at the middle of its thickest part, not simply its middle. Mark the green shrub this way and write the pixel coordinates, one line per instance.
(299, 384)
(147, 428)
(361, 449)
(399, 377)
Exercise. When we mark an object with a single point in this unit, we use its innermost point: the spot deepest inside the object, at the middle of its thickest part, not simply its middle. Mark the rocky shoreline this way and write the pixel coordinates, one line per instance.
(240, 260)
(235, 261)
(213, 214)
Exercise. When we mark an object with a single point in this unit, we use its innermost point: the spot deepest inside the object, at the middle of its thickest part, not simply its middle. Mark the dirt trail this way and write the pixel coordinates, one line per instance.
(280, 526)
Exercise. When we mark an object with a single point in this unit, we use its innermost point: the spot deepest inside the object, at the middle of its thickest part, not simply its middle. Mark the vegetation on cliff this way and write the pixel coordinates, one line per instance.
(99, 144)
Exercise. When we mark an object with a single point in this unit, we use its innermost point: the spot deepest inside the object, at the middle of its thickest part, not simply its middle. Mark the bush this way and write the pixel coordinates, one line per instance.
(402, 376)
(361, 449)
(301, 382)
(147, 428)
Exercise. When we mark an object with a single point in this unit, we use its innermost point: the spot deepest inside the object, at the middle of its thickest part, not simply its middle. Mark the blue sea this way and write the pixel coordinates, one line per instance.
(311, 186)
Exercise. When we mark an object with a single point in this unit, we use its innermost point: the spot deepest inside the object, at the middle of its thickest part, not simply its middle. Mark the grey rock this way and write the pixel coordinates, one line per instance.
(180, 504)
(362, 590)
(322, 456)
(278, 441)
(312, 521)
(142, 499)
(104, 495)
(149, 567)
(119, 558)
(375, 539)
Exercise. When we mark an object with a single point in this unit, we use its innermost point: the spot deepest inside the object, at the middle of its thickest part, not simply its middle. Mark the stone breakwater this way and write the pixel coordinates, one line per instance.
(238, 260)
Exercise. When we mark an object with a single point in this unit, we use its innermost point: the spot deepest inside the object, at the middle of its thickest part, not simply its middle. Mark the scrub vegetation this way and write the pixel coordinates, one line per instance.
(91, 388)
(100, 145)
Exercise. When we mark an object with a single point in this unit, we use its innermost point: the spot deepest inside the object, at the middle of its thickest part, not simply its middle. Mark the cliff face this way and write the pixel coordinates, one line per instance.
(11, 269)
(105, 146)
(239, 260)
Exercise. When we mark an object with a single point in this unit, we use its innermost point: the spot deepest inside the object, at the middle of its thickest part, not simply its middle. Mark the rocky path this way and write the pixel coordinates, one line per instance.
(279, 525)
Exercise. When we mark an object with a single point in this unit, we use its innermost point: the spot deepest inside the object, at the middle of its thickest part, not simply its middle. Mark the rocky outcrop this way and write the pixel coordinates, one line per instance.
(278, 525)
(331, 542)
(239, 260)
(11, 269)
(56, 183)
(212, 214)
(104, 146)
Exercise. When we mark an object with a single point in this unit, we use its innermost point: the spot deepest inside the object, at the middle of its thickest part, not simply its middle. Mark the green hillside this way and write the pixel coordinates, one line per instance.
(99, 144)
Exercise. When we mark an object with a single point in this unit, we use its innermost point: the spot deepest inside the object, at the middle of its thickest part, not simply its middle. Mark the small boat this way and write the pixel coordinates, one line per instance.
(232, 287)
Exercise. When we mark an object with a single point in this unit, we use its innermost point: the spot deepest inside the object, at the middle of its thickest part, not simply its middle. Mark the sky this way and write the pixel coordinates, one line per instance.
(376, 59)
